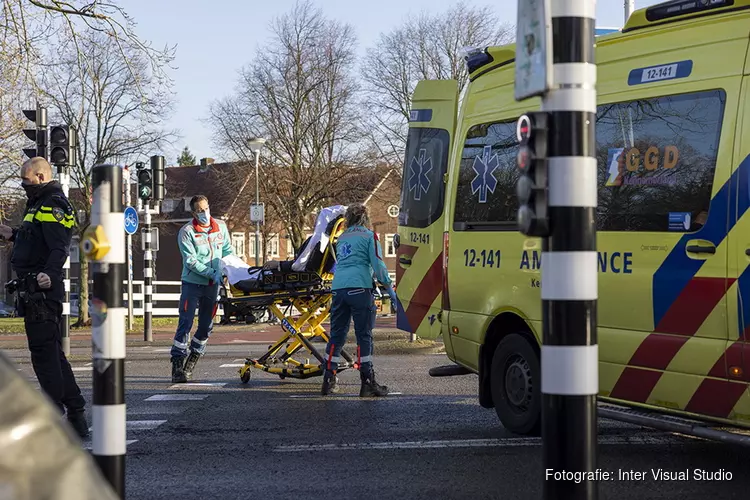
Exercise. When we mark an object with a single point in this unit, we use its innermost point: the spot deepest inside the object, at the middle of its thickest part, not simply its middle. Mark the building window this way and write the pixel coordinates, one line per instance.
(251, 246)
(238, 244)
(289, 248)
(393, 211)
(390, 250)
(272, 248)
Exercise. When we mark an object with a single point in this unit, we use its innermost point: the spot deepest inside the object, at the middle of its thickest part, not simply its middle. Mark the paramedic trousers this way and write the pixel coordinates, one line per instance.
(357, 304)
(203, 298)
(51, 367)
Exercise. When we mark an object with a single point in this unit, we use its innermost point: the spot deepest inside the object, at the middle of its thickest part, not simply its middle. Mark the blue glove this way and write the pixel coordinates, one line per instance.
(216, 276)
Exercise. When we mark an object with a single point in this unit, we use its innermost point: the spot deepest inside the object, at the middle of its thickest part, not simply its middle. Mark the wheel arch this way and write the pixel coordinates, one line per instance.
(502, 325)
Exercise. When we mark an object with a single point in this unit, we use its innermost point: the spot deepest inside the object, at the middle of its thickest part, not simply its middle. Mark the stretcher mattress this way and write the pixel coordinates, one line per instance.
(283, 279)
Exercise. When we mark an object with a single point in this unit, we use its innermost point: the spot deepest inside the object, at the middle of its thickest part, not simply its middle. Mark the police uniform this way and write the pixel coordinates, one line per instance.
(41, 245)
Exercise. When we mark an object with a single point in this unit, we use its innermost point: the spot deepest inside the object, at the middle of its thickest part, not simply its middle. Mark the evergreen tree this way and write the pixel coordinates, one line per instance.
(186, 159)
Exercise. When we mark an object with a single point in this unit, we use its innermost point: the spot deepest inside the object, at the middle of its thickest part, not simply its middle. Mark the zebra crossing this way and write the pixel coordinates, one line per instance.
(150, 413)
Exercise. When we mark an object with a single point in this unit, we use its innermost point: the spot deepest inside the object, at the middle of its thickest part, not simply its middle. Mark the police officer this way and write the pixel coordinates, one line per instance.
(358, 258)
(40, 249)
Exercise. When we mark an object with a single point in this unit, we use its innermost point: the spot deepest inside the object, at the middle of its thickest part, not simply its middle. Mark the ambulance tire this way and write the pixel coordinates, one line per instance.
(516, 385)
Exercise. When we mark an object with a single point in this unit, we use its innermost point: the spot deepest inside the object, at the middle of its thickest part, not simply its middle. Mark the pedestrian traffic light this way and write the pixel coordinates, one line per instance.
(145, 181)
(533, 218)
(157, 169)
(38, 134)
(63, 140)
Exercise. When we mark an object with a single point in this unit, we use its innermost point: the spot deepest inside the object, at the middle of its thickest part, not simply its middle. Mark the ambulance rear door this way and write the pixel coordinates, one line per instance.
(419, 242)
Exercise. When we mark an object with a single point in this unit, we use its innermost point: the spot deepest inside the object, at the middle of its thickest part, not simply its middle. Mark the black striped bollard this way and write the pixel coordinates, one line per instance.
(104, 244)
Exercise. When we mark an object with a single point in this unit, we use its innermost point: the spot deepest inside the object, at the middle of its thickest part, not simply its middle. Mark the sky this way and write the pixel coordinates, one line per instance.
(216, 38)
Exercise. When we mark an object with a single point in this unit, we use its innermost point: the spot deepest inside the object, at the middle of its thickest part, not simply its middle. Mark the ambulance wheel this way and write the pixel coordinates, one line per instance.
(516, 385)
(245, 377)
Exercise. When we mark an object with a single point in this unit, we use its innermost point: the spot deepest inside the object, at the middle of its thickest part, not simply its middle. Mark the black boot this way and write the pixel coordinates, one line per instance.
(77, 420)
(178, 374)
(190, 364)
(370, 387)
(330, 383)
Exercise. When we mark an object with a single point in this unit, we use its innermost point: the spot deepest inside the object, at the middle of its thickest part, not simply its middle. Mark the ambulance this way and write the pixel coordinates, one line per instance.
(673, 150)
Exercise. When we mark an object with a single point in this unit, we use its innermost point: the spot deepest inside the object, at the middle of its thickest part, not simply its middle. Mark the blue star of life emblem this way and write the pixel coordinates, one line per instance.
(346, 250)
(419, 167)
(484, 166)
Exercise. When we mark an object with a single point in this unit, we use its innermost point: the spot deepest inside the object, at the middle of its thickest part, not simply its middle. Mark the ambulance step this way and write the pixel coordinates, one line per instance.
(449, 371)
(670, 423)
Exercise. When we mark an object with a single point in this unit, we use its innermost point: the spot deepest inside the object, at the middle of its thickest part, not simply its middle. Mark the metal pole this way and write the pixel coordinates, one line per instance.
(130, 254)
(570, 379)
(64, 178)
(257, 202)
(105, 246)
(147, 273)
(629, 8)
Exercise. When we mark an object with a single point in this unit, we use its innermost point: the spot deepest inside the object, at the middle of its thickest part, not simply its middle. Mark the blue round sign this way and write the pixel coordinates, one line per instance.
(131, 220)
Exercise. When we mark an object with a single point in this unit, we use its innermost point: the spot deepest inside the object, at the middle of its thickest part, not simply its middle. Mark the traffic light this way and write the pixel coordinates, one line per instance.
(38, 134)
(533, 217)
(157, 169)
(145, 181)
(63, 140)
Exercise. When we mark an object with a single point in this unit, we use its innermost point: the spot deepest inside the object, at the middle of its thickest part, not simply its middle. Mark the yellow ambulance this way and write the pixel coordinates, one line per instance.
(673, 149)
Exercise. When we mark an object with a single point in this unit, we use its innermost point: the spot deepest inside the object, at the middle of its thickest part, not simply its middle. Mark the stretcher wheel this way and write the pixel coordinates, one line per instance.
(245, 377)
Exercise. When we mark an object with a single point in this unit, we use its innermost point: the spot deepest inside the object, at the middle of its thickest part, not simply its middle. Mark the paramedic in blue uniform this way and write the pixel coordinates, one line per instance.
(40, 247)
(203, 242)
(358, 257)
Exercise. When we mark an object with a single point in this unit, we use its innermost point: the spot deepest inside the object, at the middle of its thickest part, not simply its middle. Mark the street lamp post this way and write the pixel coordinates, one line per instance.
(256, 144)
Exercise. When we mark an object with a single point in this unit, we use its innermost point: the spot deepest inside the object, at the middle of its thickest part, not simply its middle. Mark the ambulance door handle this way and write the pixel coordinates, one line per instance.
(747, 251)
(404, 261)
(700, 249)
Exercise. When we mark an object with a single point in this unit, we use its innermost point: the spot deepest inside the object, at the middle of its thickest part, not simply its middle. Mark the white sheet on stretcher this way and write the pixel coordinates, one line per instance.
(236, 270)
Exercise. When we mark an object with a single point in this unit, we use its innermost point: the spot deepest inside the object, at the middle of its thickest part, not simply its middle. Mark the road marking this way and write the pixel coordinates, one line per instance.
(140, 425)
(339, 396)
(198, 384)
(233, 365)
(81, 368)
(177, 397)
(162, 350)
(238, 341)
(466, 443)
(239, 360)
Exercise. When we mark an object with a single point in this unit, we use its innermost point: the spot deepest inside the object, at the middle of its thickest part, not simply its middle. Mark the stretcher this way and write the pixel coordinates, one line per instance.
(301, 301)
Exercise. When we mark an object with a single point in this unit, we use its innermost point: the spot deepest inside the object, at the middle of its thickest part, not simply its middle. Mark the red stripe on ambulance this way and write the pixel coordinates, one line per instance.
(425, 294)
(682, 320)
(716, 397)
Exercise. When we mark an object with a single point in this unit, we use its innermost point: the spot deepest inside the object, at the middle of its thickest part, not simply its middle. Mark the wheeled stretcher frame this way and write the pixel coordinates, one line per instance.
(309, 293)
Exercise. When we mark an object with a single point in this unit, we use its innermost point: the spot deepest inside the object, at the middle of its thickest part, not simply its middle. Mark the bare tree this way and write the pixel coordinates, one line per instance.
(298, 92)
(106, 90)
(27, 27)
(427, 47)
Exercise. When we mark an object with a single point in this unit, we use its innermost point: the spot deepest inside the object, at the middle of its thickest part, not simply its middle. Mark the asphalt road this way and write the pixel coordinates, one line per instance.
(277, 439)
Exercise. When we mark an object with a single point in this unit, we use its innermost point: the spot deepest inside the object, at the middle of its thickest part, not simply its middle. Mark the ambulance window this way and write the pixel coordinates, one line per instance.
(423, 191)
(656, 161)
(486, 193)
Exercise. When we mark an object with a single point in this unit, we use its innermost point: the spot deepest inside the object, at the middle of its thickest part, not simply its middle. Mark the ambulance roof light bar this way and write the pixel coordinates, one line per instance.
(676, 8)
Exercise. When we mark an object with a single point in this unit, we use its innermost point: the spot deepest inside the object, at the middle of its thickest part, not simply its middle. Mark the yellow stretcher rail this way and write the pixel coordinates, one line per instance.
(309, 293)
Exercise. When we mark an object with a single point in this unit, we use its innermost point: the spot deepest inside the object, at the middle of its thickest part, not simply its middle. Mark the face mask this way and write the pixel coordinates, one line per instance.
(32, 190)
(204, 217)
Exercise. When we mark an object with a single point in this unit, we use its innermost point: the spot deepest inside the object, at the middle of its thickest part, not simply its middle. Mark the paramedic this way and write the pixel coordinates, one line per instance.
(40, 247)
(203, 242)
(358, 256)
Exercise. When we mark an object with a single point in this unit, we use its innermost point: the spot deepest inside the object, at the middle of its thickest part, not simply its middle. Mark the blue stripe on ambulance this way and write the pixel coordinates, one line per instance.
(678, 269)
(743, 282)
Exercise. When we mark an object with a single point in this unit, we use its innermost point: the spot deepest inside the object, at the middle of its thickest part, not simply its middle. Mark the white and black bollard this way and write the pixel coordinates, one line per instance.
(64, 179)
(104, 244)
(148, 270)
(558, 200)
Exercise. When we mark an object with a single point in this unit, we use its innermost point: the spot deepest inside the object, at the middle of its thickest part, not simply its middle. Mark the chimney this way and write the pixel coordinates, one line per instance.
(205, 162)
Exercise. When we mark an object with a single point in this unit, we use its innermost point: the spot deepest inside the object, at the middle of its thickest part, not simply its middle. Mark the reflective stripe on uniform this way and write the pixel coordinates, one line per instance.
(201, 342)
(365, 359)
(180, 345)
(67, 221)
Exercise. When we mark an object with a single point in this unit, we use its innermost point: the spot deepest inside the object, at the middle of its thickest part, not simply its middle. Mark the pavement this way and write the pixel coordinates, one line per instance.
(278, 439)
